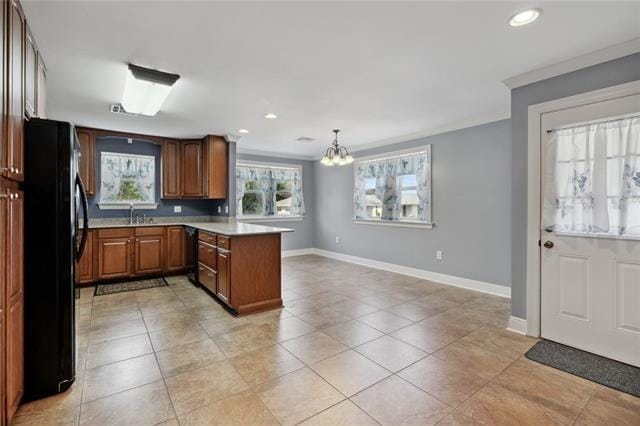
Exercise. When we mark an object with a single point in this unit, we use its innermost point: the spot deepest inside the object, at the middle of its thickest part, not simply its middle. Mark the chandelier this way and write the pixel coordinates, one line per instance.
(336, 155)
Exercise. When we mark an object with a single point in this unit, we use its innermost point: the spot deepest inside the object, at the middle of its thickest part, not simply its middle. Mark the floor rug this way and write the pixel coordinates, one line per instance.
(102, 289)
(605, 371)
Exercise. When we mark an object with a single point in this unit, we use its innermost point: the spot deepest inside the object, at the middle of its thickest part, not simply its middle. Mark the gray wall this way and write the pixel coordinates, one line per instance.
(303, 237)
(596, 77)
(165, 207)
(471, 190)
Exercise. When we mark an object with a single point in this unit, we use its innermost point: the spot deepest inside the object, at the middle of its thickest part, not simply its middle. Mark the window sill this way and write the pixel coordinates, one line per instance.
(394, 223)
(123, 206)
(269, 218)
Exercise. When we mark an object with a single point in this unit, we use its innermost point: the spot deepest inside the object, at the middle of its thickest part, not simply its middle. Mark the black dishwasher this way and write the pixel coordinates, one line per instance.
(192, 250)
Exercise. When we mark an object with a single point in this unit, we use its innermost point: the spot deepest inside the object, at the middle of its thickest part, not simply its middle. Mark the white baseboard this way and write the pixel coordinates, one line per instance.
(517, 325)
(299, 252)
(481, 286)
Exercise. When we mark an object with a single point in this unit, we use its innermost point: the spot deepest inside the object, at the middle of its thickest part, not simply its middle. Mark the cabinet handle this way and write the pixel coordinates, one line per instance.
(210, 250)
(210, 274)
(12, 169)
(4, 196)
(17, 170)
(13, 196)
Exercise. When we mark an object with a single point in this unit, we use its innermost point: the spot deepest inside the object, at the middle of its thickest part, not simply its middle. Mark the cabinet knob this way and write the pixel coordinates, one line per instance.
(210, 250)
(4, 196)
(12, 169)
(16, 170)
(128, 241)
(13, 196)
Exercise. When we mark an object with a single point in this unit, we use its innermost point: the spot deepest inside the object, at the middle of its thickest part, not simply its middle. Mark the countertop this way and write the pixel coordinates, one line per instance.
(230, 229)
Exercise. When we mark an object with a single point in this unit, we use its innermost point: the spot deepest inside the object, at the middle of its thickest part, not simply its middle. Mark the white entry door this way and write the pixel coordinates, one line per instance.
(590, 232)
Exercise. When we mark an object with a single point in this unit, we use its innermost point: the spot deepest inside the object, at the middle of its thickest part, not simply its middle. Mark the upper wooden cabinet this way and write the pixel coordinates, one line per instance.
(30, 75)
(215, 167)
(171, 169)
(192, 169)
(41, 89)
(87, 140)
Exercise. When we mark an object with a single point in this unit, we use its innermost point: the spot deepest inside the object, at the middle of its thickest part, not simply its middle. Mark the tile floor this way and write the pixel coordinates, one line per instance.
(353, 346)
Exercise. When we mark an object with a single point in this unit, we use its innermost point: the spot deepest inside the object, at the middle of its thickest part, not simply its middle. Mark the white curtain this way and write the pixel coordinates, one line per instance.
(592, 179)
(267, 179)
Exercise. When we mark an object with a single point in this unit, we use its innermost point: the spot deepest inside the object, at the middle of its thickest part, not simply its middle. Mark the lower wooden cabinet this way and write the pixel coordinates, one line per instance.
(224, 275)
(176, 248)
(84, 266)
(207, 277)
(149, 255)
(114, 258)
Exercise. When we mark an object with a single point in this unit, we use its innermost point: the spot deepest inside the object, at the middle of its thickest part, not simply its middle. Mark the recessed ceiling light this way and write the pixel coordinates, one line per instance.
(270, 116)
(145, 90)
(243, 131)
(525, 17)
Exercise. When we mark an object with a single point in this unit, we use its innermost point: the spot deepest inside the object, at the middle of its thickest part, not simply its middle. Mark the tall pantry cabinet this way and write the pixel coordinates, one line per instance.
(23, 90)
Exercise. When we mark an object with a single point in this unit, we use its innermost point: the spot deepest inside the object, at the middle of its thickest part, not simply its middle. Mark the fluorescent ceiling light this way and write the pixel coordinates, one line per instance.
(145, 90)
(525, 17)
(270, 116)
(243, 131)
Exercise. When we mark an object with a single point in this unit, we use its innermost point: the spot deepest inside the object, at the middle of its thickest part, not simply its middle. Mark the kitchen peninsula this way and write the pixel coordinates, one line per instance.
(237, 263)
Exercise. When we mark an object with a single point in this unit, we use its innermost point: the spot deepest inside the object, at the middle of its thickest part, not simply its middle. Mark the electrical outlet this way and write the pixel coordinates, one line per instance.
(439, 255)
(177, 209)
(219, 209)
(226, 209)
(337, 240)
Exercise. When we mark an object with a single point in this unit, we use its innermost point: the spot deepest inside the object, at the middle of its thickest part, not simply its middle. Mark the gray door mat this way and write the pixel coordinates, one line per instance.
(596, 368)
(102, 289)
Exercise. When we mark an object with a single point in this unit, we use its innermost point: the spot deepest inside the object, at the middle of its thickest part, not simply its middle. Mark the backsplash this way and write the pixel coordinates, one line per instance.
(165, 208)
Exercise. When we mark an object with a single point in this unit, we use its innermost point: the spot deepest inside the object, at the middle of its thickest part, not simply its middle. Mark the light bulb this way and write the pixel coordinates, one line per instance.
(336, 159)
(349, 159)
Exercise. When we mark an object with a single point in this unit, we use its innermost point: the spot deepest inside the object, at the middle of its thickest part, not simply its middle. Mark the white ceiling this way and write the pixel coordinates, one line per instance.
(376, 70)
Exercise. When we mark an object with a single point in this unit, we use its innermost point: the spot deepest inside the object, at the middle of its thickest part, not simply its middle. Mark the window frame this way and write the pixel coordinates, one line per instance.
(426, 149)
(273, 217)
(125, 205)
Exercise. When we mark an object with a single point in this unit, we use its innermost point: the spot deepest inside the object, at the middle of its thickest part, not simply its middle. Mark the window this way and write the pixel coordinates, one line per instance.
(269, 191)
(395, 188)
(126, 179)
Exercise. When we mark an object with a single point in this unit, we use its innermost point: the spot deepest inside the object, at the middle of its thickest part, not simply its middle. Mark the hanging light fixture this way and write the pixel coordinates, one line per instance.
(336, 155)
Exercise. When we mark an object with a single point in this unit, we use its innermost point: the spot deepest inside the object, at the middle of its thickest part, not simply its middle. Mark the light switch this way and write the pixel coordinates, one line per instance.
(177, 209)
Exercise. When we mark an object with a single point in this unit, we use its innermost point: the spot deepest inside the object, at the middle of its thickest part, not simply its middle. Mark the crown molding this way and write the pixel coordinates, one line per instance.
(599, 56)
(272, 154)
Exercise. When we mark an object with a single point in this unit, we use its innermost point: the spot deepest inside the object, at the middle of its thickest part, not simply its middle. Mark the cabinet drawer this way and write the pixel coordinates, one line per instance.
(207, 237)
(207, 277)
(149, 230)
(115, 233)
(224, 242)
(207, 254)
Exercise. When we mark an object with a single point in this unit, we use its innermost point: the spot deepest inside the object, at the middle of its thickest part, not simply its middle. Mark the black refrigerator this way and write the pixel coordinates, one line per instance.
(54, 200)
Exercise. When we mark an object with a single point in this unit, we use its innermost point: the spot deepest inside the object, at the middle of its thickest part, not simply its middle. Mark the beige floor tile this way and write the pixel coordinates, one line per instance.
(427, 337)
(383, 300)
(324, 317)
(119, 376)
(345, 413)
(609, 406)
(385, 321)
(458, 295)
(314, 347)
(144, 405)
(354, 309)
(223, 324)
(197, 388)
(350, 372)
(391, 353)
(411, 311)
(287, 328)
(353, 333)
(245, 339)
(297, 396)
(435, 305)
(100, 321)
(188, 357)
(241, 409)
(265, 364)
(394, 402)
(57, 416)
(160, 321)
(177, 336)
(156, 307)
(501, 341)
(116, 330)
(118, 350)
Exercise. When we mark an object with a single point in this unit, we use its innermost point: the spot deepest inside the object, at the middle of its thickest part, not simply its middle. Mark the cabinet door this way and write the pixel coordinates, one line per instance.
(41, 89)
(14, 162)
(84, 266)
(149, 255)
(87, 141)
(215, 165)
(176, 248)
(114, 258)
(224, 275)
(14, 355)
(30, 74)
(192, 169)
(171, 169)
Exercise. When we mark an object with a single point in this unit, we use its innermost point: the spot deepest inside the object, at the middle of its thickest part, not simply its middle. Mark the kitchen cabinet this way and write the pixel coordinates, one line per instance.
(171, 165)
(41, 89)
(30, 74)
(149, 250)
(192, 171)
(224, 275)
(176, 248)
(13, 153)
(13, 241)
(207, 277)
(114, 257)
(84, 266)
(215, 167)
(87, 166)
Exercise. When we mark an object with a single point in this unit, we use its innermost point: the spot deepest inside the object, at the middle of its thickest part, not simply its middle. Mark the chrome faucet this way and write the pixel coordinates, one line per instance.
(131, 209)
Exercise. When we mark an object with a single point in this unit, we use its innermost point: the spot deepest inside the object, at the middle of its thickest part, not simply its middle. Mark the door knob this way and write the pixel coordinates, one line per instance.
(548, 244)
